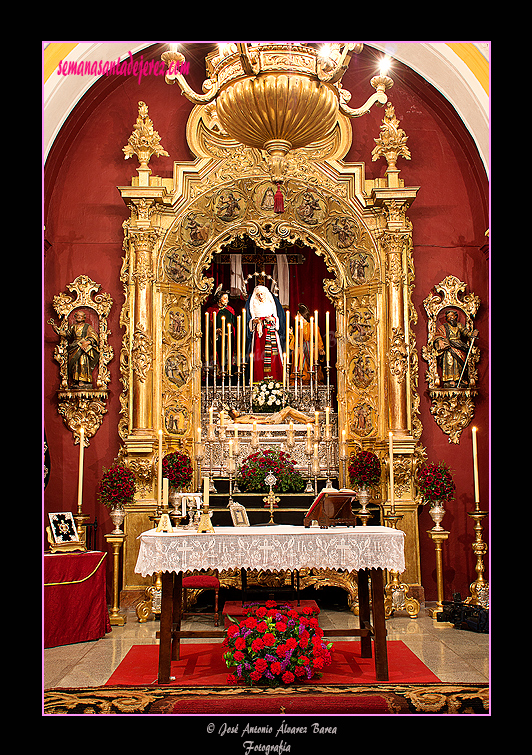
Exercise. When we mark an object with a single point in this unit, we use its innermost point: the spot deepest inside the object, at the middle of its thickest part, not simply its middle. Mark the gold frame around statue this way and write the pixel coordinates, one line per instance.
(170, 238)
(83, 406)
(452, 405)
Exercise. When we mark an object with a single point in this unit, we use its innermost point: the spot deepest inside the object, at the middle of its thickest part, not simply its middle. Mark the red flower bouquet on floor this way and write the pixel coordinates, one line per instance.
(275, 645)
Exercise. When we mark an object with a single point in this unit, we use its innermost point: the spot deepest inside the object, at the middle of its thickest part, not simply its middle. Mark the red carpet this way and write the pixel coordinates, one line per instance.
(202, 664)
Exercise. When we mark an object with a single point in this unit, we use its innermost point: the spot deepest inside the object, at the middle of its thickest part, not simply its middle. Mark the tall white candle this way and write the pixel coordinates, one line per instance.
(160, 469)
(287, 338)
(205, 492)
(392, 494)
(229, 354)
(165, 492)
(243, 336)
(475, 464)
(316, 351)
(207, 339)
(296, 345)
(223, 344)
(311, 345)
(214, 343)
(251, 369)
(80, 470)
(238, 340)
(327, 345)
(284, 370)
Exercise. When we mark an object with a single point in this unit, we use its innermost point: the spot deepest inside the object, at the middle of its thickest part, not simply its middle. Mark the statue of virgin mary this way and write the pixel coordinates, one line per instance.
(265, 334)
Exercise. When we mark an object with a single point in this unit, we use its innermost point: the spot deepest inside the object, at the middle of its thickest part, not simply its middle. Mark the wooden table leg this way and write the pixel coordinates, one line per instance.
(165, 632)
(379, 625)
(177, 613)
(363, 612)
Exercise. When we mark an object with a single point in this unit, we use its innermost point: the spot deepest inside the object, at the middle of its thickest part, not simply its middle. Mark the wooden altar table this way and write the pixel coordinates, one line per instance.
(366, 550)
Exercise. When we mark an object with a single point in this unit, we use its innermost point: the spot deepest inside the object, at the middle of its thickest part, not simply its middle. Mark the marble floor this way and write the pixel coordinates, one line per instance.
(454, 655)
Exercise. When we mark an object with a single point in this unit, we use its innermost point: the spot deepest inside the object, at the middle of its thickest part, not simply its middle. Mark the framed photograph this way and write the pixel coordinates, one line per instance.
(239, 515)
(63, 528)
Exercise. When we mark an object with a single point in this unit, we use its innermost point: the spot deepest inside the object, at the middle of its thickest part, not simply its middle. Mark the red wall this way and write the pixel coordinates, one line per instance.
(84, 214)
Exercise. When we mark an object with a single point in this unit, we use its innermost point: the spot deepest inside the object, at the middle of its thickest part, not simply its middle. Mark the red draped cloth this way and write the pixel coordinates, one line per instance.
(74, 605)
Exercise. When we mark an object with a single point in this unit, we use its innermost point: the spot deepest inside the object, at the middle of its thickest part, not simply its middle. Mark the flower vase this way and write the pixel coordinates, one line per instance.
(437, 513)
(117, 515)
(175, 502)
(363, 498)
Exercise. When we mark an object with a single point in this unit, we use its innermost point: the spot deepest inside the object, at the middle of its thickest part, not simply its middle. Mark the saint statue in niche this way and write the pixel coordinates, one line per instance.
(83, 349)
(265, 334)
(451, 344)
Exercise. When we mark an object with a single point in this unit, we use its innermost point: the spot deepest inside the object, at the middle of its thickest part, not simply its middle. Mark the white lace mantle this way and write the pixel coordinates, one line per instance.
(272, 548)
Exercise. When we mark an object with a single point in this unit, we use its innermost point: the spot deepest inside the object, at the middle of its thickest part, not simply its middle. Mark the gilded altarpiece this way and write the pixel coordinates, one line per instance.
(361, 229)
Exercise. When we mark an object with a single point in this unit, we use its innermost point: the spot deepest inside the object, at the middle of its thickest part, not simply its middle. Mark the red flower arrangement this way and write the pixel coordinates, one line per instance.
(364, 469)
(435, 482)
(255, 467)
(177, 467)
(275, 645)
(117, 486)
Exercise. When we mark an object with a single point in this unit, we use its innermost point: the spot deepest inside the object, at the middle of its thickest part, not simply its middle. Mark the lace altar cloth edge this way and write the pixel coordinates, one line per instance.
(273, 548)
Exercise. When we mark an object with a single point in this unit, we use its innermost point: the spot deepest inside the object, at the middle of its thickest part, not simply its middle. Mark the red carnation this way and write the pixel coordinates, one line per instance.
(255, 675)
(257, 645)
(269, 639)
(240, 643)
(261, 665)
(262, 626)
(275, 667)
(239, 656)
(280, 626)
(288, 677)
(232, 630)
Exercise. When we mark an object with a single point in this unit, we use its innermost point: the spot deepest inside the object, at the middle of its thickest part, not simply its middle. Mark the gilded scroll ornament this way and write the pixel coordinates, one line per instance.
(452, 354)
(83, 354)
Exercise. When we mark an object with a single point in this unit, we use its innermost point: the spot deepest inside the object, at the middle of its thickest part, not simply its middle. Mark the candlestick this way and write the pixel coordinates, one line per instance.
(327, 344)
(80, 471)
(475, 465)
(392, 495)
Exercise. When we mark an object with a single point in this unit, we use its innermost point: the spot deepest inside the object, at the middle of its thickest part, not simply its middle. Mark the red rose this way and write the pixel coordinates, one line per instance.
(232, 630)
(288, 677)
(257, 645)
(239, 656)
(240, 643)
(280, 626)
(261, 665)
(304, 659)
(250, 623)
(275, 667)
(281, 650)
(291, 643)
(299, 671)
(318, 663)
(269, 639)
(303, 642)
(262, 626)
(260, 612)
(255, 675)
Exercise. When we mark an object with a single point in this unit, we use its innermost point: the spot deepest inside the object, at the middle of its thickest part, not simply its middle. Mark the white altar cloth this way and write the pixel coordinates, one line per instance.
(272, 548)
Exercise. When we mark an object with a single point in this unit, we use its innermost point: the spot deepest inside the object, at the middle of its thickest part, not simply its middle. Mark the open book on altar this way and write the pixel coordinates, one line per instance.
(332, 508)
